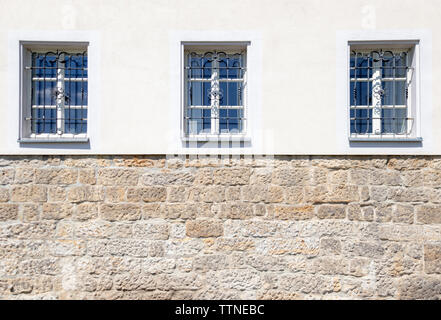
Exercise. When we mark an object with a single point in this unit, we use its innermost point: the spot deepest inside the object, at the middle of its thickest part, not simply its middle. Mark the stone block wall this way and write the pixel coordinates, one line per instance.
(153, 227)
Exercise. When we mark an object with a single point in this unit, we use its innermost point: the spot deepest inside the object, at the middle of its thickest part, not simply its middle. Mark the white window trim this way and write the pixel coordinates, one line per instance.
(423, 134)
(214, 135)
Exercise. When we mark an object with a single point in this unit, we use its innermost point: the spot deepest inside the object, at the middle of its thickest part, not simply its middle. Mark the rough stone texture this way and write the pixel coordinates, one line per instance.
(187, 227)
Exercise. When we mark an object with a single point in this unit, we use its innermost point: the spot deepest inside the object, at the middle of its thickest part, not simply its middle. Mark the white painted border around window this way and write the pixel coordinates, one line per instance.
(252, 142)
(423, 141)
(15, 39)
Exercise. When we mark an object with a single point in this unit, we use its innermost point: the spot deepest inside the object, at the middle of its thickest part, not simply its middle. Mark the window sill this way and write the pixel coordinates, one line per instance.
(216, 138)
(53, 140)
(386, 139)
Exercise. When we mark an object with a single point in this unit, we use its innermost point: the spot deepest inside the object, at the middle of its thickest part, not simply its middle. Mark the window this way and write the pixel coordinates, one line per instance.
(54, 92)
(382, 86)
(214, 90)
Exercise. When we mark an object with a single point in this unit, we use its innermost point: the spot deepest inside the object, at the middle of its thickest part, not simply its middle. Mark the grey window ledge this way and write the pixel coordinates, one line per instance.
(52, 140)
(385, 139)
(220, 138)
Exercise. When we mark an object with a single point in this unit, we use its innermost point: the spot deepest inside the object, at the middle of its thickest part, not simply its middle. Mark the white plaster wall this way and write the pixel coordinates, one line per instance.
(297, 93)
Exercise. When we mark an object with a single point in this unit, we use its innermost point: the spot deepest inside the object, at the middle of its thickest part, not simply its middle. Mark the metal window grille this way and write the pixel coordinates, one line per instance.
(58, 104)
(214, 99)
(380, 82)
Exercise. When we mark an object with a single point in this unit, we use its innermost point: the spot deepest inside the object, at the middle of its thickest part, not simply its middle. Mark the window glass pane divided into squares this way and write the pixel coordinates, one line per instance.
(214, 86)
(59, 92)
(379, 92)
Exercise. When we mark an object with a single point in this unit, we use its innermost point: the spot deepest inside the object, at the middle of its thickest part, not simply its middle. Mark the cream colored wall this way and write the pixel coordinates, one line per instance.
(298, 67)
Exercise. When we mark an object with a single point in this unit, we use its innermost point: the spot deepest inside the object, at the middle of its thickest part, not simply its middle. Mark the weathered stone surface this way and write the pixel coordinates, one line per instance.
(8, 211)
(428, 214)
(432, 258)
(307, 247)
(87, 176)
(93, 229)
(385, 177)
(403, 214)
(57, 211)
(332, 194)
(115, 194)
(29, 193)
(204, 228)
(24, 175)
(139, 161)
(56, 193)
(291, 212)
(204, 176)
(330, 246)
(154, 231)
(117, 177)
(291, 177)
(281, 227)
(116, 212)
(237, 211)
(146, 194)
(86, 211)
(85, 193)
(125, 247)
(4, 194)
(6, 176)
(231, 176)
(409, 194)
(419, 287)
(331, 212)
(167, 178)
(177, 194)
(383, 212)
(56, 176)
(30, 212)
(207, 194)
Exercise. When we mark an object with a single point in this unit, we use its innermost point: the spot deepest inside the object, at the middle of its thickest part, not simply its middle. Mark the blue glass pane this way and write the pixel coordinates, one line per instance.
(73, 121)
(231, 94)
(44, 93)
(234, 64)
(76, 93)
(207, 68)
(363, 65)
(361, 121)
(196, 68)
(75, 65)
(230, 120)
(223, 70)
(362, 96)
(394, 121)
(44, 121)
(200, 121)
(352, 65)
(399, 66)
(394, 93)
(199, 93)
(46, 65)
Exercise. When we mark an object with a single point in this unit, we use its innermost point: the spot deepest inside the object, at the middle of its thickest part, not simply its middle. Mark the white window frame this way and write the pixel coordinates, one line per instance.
(413, 107)
(25, 132)
(215, 135)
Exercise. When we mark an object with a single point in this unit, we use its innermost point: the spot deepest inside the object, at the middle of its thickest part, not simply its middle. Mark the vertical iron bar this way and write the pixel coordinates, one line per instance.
(70, 91)
(370, 74)
(44, 93)
(394, 120)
